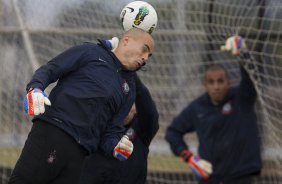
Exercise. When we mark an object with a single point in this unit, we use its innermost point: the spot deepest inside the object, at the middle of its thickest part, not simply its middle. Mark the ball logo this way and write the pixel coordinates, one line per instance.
(143, 12)
(152, 28)
(131, 9)
(122, 15)
(125, 88)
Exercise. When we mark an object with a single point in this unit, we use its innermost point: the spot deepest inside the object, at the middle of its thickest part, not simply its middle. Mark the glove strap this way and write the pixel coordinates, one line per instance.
(29, 90)
(131, 134)
(185, 155)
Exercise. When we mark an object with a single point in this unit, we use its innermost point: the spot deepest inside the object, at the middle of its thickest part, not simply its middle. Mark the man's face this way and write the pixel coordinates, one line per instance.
(138, 51)
(217, 84)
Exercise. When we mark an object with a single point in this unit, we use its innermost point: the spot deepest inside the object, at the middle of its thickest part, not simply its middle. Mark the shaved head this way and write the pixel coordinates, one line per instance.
(137, 34)
(215, 67)
(134, 48)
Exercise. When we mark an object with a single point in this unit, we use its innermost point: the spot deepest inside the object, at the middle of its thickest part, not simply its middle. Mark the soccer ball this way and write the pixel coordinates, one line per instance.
(139, 14)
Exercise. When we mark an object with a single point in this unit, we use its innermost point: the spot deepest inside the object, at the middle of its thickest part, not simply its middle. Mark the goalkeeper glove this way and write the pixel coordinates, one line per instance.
(113, 43)
(123, 149)
(234, 44)
(200, 167)
(35, 101)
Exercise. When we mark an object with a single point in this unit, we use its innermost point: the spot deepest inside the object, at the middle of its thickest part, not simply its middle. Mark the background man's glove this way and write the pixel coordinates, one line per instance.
(201, 168)
(35, 101)
(234, 44)
(124, 149)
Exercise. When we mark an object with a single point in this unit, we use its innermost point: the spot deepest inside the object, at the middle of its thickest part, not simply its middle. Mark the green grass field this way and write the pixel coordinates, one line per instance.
(9, 156)
(167, 163)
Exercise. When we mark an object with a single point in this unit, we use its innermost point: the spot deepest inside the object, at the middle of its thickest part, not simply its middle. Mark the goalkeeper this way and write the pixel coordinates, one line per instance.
(141, 128)
(226, 126)
(94, 92)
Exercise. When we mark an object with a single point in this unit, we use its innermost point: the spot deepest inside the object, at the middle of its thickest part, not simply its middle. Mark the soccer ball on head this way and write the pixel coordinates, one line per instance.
(139, 14)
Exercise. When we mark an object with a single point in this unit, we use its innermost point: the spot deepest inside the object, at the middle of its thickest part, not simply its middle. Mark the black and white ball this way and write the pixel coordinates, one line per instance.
(139, 14)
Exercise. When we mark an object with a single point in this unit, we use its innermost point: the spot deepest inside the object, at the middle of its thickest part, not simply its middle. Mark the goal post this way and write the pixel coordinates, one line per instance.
(188, 37)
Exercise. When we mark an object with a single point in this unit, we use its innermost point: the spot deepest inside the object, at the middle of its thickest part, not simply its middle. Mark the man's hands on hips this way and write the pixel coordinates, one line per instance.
(35, 101)
(123, 149)
(201, 168)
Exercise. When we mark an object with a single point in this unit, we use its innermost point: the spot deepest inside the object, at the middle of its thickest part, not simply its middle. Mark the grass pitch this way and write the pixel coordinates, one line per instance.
(9, 156)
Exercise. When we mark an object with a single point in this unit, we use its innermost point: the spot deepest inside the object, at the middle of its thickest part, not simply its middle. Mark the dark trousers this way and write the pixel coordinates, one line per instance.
(99, 169)
(49, 156)
(240, 180)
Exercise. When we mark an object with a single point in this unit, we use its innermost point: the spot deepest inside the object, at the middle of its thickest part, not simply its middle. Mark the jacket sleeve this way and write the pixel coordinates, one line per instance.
(112, 134)
(147, 115)
(64, 63)
(246, 90)
(115, 126)
(180, 125)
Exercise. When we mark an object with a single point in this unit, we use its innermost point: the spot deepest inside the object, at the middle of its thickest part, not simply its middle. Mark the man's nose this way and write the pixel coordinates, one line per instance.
(216, 85)
(145, 57)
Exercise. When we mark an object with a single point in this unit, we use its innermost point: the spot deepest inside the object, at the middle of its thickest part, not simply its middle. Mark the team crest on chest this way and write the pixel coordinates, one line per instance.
(227, 108)
(51, 158)
(125, 88)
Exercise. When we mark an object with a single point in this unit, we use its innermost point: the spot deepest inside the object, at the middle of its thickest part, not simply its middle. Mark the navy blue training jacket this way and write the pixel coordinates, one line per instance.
(228, 133)
(92, 96)
(146, 125)
(101, 169)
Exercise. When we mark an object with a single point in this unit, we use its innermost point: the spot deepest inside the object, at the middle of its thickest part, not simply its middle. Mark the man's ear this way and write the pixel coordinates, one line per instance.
(125, 40)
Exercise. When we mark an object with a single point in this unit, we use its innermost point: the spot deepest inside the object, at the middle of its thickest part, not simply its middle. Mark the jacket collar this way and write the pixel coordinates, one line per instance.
(103, 44)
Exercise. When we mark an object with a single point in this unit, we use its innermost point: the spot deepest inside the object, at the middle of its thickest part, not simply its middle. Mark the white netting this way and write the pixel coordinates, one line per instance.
(188, 37)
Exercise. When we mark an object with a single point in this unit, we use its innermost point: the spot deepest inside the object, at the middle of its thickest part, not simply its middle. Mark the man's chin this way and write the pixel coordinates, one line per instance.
(217, 100)
(138, 68)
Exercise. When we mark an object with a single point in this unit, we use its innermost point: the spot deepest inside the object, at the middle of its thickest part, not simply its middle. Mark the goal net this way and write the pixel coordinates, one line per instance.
(188, 37)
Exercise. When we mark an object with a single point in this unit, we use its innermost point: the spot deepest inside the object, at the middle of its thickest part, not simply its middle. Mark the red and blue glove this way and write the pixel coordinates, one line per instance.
(35, 101)
(234, 44)
(123, 149)
(201, 168)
